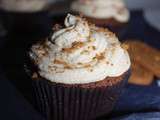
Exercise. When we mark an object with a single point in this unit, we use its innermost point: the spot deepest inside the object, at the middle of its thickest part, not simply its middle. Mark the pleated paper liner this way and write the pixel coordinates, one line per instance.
(76, 102)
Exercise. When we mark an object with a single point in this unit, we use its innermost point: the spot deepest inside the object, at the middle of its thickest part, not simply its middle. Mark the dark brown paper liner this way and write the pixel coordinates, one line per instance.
(59, 102)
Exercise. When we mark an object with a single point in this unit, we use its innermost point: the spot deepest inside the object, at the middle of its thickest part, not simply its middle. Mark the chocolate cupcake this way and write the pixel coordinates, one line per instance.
(78, 72)
(25, 16)
(110, 13)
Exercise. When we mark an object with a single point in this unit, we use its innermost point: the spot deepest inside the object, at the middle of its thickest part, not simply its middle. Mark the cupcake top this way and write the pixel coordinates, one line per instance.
(102, 9)
(23, 5)
(79, 53)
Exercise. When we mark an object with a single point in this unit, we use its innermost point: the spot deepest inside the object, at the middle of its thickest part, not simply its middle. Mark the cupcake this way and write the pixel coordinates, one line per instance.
(110, 13)
(26, 16)
(78, 72)
(23, 5)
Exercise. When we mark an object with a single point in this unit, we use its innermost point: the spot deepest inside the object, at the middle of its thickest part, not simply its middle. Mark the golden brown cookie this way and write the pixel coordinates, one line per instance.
(145, 55)
(140, 75)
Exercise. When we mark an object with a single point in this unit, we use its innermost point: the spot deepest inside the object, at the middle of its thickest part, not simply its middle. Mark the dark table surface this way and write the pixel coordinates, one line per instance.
(135, 103)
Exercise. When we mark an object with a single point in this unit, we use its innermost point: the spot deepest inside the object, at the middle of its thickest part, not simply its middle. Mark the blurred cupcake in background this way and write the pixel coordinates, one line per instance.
(110, 13)
(27, 16)
(23, 5)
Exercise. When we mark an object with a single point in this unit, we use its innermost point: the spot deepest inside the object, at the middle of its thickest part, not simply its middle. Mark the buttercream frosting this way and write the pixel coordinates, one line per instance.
(80, 53)
(102, 9)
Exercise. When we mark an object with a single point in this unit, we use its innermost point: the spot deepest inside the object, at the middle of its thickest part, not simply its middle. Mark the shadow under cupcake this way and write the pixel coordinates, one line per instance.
(78, 72)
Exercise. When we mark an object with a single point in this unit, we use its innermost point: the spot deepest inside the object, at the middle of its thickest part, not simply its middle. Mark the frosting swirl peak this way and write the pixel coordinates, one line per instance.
(80, 53)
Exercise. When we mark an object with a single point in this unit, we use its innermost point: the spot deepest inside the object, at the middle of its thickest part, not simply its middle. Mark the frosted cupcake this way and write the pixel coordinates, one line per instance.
(110, 13)
(23, 5)
(25, 16)
(78, 72)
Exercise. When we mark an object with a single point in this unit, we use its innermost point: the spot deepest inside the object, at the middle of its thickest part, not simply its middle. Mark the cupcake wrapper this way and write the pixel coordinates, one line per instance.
(59, 102)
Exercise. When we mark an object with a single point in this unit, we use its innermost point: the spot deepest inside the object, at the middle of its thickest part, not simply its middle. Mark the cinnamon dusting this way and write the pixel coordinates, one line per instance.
(66, 66)
(91, 39)
(91, 47)
(87, 66)
(41, 53)
(79, 63)
(125, 46)
(42, 49)
(84, 52)
(75, 45)
(100, 56)
(107, 62)
(59, 62)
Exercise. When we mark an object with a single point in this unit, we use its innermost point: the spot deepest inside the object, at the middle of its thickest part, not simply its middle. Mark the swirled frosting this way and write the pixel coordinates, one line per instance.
(23, 5)
(80, 53)
(102, 9)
